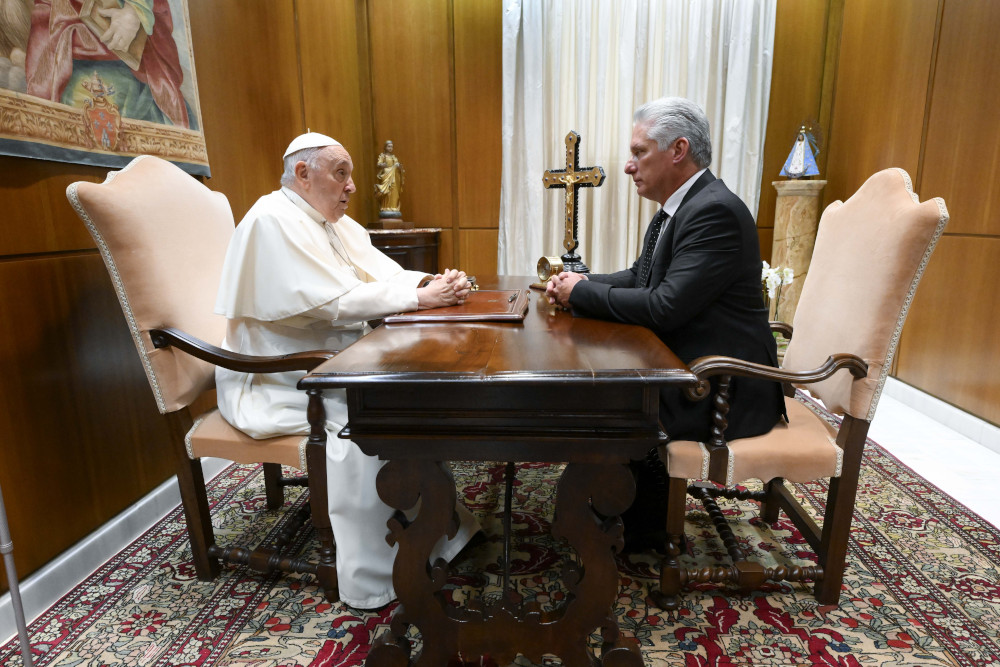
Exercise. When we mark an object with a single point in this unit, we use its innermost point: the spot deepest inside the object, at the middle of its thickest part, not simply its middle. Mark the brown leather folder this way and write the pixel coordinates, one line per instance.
(480, 306)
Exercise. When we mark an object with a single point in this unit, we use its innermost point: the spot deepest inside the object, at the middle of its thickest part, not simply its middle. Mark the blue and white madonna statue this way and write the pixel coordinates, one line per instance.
(802, 160)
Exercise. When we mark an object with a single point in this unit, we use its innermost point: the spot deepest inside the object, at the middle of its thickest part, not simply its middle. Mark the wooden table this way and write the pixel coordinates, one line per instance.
(555, 388)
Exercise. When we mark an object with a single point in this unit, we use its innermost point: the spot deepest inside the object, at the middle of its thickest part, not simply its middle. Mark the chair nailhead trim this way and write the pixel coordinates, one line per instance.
(302, 455)
(705, 459)
(840, 457)
(730, 467)
(187, 436)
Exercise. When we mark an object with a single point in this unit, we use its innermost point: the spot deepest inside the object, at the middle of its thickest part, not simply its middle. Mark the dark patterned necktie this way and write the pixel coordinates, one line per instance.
(647, 253)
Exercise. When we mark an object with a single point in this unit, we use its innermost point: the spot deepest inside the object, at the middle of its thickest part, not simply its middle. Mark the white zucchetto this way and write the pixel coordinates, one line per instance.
(310, 140)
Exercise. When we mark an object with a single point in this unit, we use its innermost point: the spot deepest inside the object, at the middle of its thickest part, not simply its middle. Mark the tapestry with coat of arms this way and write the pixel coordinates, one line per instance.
(99, 82)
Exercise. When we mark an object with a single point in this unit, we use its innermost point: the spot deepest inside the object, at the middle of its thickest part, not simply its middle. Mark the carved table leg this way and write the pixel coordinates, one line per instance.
(401, 484)
(506, 628)
(584, 489)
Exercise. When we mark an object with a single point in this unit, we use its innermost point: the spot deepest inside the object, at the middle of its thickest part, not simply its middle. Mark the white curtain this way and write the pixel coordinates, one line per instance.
(586, 65)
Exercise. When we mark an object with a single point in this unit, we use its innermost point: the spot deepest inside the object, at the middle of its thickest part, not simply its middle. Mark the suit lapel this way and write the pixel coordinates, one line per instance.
(665, 249)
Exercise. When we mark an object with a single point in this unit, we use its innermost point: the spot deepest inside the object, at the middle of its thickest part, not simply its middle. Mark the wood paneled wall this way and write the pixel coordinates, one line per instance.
(246, 56)
(425, 75)
(796, 95)
(911, 84)
(882, 86)
(336, 87)
(442, 111)
(950, 347)
(81, 437)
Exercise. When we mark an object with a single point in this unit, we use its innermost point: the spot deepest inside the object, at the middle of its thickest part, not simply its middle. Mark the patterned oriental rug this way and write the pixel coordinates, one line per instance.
(922, 588)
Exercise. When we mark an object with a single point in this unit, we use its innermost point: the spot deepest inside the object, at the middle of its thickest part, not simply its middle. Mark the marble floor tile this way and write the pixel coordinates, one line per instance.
(963, 468)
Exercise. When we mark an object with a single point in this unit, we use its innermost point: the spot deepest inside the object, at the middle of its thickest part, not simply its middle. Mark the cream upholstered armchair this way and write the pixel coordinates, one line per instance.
(163, 237)
(869, 255)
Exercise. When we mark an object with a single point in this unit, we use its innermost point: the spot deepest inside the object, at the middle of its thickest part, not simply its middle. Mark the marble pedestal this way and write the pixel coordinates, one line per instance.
(796, 217)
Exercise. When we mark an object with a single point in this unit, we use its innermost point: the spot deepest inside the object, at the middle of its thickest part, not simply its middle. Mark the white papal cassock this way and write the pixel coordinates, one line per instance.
(293, 282)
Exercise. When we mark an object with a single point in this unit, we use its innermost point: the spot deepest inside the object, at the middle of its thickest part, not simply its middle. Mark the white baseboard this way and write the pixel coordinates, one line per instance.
(958, 420)
(46, 586)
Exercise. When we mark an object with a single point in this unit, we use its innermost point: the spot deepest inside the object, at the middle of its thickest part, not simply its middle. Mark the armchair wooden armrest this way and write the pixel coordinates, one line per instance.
(727, 367)
(711, 366)
(300, 361)
(783, 328)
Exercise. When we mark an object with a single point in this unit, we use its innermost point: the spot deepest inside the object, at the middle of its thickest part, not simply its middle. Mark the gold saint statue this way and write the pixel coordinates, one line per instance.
(389, 183)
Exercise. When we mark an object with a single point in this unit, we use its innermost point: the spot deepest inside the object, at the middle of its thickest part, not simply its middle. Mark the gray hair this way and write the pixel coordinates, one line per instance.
(671, 118)
(308, 155)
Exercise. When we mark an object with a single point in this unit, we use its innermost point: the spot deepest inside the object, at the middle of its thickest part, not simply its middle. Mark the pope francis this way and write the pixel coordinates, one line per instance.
(301, 275)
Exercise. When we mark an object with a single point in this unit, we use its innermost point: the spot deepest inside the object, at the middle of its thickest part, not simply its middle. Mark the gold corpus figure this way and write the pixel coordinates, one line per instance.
(389, 183)
(572, 178)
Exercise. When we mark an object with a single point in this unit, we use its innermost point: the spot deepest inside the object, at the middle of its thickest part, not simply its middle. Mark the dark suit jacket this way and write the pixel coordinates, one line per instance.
(704, 297)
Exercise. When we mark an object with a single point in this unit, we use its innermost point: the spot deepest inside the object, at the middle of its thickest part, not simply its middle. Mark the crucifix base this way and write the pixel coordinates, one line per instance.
(574, 263)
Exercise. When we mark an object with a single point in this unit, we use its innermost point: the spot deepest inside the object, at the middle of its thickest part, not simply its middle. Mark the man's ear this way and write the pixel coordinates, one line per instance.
(681, 150)
(302, 171)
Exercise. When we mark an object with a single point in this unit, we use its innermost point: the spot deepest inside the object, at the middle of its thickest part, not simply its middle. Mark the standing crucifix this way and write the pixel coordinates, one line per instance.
(572, 178)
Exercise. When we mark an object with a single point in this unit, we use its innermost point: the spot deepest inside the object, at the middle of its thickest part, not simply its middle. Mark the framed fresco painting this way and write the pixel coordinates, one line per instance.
(99, 82)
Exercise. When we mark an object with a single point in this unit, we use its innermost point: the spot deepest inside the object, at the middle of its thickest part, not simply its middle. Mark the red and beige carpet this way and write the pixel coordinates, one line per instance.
(922, 588)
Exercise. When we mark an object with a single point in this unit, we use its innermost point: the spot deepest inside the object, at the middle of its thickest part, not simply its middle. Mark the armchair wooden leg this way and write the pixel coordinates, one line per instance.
(840, 511)
(836, 534)
(676, 509)
(771, 504)
(668, 596)
(326, 573)
(194, 498)
(272, 486)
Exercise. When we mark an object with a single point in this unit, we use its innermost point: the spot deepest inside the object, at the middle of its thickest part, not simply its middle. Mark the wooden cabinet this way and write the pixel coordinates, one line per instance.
(414, 249)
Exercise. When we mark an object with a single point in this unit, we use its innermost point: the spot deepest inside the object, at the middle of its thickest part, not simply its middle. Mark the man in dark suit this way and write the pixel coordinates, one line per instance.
(696, 285)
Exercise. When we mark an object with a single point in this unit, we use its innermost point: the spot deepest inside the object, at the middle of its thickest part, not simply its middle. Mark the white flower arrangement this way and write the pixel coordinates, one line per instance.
(772, 279)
